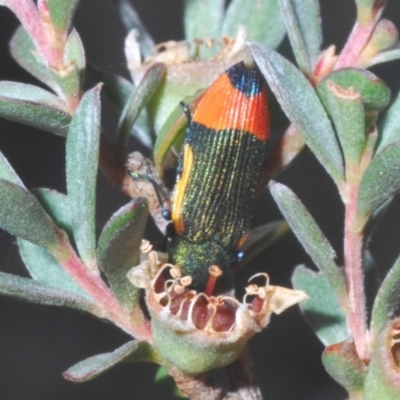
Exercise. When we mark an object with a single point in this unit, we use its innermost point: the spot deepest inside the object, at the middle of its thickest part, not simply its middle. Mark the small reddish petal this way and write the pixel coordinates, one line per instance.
(201, 313)
(257, 304)
(225, 317)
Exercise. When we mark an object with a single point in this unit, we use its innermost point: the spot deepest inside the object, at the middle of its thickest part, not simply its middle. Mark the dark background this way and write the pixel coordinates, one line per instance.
(38, 343)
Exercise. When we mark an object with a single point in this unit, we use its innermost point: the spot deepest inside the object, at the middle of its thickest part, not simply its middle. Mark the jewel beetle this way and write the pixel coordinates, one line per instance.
(218, 173)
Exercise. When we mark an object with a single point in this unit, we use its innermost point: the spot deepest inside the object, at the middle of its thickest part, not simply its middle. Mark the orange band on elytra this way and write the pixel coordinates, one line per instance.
(225, 107)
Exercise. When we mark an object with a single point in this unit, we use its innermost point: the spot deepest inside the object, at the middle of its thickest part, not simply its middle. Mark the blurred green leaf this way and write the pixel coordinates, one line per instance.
(132, 21)
(61, 13)
(262, 19)
(195, 14)
(381, 180)
(310, 236)
(96, 365)
(37, 292)
(23, 216)
(347, 111)
(25, 54)
(368, 9)
(382, 380)
(374, 92)
(261, 238)
(322, 309)
(44, 268)
(116, 90)
(301, 104)
(82, 150)
(387, 300)
(165, 382)
(7, 172)
(31, 105)
(384, 57)
(390, 126)
(118, 249)
(342, 363)
(303, 25)
(139, 99)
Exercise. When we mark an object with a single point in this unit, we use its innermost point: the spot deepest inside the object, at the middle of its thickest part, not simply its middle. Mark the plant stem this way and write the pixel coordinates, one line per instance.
(353, 246)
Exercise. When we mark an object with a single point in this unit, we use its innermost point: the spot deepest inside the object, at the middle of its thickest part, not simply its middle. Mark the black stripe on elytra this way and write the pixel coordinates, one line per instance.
(246, 79)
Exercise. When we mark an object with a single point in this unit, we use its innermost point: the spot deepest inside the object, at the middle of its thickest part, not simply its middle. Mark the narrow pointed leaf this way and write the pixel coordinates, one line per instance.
(33, 106)
(118, 249)
(301, 104)
(374, 92)
(25, 54)
(380, 181)
(23, 216)
(37, 292)
(96, 365)
(262, 19)
(82, 160)
(132, 21)
(261, 238)
(7, 172)
(139, 99)
(303, 25)
(347, 111)
(387, 301)
(44, 268)
(390, 127)
(195, 13)
(61, 13)
(310, 236)
(165, 382)
(322, 310)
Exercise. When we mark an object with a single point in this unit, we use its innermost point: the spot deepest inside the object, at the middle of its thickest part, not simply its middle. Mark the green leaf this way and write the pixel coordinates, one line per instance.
(25, 54)
(301, 104)
(44, 268)
(61, 13)
(381, 180)
(382, 380)
(322, 310)
(96, 365)
(7, 172)
(390, 127)
(33, 106)
(195, 13)
(387, 300)
(342, 363)
(23, 216)
(303, 25)
(367, 11)
(36, 292)
(57, 206)
(261, 238)
(70, 80)
(131, 20)
(82, 160)
(139, 99)
(165, 382)
(384, 57)
(374, 92)
(310, 236)
(118, 249)
(262, 19)
(347, 111)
